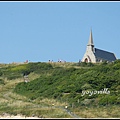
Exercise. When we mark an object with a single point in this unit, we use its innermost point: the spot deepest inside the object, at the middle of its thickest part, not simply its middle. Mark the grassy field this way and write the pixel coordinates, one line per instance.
(13, 103)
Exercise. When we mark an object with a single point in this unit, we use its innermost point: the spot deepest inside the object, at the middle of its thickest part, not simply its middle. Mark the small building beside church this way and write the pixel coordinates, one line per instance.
(95, 55)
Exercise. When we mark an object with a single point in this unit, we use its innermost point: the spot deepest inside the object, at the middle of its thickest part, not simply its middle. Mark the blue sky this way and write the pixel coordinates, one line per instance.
(39, 31)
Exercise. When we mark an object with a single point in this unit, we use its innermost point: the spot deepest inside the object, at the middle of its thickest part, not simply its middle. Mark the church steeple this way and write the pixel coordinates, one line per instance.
(90, 42)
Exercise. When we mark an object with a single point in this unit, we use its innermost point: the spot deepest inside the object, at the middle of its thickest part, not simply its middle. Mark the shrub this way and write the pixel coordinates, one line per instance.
(1, 73)
(1, 81)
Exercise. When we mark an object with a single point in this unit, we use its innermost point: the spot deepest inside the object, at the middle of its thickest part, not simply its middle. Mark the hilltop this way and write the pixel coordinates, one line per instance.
(61, 90)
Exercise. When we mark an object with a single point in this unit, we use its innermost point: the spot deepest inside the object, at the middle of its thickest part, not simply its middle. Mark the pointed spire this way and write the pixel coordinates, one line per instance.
(90, 42)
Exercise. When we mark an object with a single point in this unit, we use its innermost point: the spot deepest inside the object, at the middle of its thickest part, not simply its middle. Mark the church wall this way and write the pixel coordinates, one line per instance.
(90, 56)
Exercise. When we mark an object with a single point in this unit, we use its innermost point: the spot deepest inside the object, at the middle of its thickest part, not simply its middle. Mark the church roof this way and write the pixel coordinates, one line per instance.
(101, 54)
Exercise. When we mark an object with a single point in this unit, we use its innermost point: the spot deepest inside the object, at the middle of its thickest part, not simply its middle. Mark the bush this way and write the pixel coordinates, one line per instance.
(108, 100)
(2, 81)
(14, 76)
(72, 81)
(84, 64)
(1, 73)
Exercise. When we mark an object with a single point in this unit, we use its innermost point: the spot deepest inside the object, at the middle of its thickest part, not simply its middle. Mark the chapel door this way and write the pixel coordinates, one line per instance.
(86, 60)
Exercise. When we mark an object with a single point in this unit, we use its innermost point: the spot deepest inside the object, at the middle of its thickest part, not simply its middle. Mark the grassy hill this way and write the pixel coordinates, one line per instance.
(89, 90)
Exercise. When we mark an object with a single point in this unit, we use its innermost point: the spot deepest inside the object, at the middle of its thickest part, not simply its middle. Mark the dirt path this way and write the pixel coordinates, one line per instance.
(68, 112)
(71, 114)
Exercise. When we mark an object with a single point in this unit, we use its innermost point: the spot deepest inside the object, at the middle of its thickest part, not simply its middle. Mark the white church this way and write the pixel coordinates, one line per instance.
(95, 55)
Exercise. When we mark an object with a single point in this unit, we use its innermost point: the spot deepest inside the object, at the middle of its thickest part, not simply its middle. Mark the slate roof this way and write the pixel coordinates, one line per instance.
(101, 54)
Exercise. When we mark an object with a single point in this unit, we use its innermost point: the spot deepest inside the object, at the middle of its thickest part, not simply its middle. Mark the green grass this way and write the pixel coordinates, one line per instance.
(14, 104)
(98, 112)
(52, 86)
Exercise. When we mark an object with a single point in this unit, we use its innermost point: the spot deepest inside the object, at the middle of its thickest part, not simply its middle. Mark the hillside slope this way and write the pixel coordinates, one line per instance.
(83, 87)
